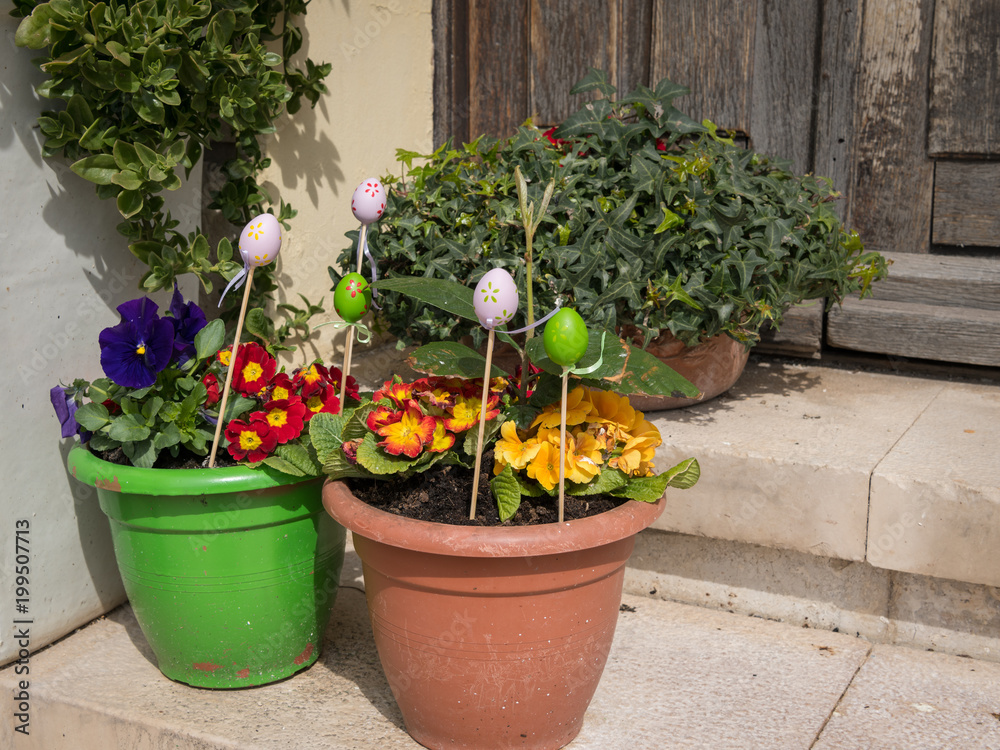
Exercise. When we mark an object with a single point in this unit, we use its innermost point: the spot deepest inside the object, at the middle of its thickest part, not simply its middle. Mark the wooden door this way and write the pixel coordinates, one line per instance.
(897, 101)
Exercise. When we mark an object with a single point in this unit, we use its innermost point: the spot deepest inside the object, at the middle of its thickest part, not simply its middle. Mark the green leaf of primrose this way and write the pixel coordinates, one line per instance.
(325, 433)
(285, 467)
(451, 359)
(298, 455)
(684, 475)
(210, 339)
(643, 489)
(607, 481)
(449, 296)
(507, 493)
(377, 461)
(490, 429)
(647, 375)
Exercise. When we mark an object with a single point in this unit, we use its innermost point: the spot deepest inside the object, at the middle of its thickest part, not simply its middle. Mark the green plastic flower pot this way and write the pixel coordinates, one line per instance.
(231, 572)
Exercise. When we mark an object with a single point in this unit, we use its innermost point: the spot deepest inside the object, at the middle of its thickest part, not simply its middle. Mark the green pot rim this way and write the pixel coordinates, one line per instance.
(89, 469)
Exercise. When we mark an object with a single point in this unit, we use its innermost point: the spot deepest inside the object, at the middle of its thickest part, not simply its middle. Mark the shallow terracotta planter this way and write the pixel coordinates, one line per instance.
(713, 367)
(492, 637)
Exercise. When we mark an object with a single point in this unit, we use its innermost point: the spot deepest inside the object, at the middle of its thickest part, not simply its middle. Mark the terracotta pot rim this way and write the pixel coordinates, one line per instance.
(485, 541)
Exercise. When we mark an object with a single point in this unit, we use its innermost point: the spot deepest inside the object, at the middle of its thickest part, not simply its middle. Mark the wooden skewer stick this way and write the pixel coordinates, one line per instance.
(562, 446)
(349, 350)
(229, 370)
(482, 423)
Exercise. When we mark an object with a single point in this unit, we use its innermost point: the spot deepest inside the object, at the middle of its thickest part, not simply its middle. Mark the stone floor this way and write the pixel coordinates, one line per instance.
(678, 676)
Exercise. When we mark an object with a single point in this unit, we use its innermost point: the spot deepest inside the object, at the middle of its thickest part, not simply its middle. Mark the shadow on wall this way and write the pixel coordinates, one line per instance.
(299, 151)
(95, 538)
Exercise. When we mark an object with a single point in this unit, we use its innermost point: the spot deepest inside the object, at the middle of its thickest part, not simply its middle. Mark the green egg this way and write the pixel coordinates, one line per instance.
(352, 298)
(565, 337)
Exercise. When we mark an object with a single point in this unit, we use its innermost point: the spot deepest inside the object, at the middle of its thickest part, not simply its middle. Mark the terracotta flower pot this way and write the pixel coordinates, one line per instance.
(713, 367)
(492, 637)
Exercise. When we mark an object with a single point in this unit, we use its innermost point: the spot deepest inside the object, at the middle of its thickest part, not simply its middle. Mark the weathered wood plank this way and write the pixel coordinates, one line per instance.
(800, 335)
(450, 29)
(633, 42)
(951, 334)
(892, 193)
(834, 140)
(965, 78)
(784, 67)
(949, 280)
(567, 38)
(967, 203)
(498, 66)
(707, 45)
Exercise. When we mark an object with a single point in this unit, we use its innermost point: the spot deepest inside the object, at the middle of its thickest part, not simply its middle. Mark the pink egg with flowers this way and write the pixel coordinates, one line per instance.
(260, 241)
(495, 298)
(368, 201)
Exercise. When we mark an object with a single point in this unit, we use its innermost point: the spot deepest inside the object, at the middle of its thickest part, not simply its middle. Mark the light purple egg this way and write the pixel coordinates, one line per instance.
(495, 298)
(368, 201)
(260, 241)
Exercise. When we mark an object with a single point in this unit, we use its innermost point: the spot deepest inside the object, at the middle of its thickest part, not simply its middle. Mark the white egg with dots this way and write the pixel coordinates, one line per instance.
(260, 241)
(368, 201)
(495, 298)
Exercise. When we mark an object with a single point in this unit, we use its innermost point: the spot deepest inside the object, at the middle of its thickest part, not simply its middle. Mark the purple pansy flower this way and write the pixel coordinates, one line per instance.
(139, 347)
(65, 406)
(187, 321)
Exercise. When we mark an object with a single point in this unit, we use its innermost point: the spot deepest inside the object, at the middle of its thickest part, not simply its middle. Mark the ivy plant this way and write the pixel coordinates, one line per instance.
(656, 222)
(145, 88)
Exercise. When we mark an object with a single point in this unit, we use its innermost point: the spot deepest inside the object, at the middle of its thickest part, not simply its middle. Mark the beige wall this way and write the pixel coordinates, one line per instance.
(380, 99)
(66, 269)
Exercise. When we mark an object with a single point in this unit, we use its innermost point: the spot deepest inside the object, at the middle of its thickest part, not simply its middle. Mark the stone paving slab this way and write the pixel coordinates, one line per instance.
(787, 455)
(903, 699)
(677, 676)
(701, 678)
(935, 499)
(684, 677)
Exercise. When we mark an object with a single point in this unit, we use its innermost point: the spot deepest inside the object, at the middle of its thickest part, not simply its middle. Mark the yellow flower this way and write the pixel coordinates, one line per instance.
(636, 458)
(641, 428)
(611, 409)
(578, 406)
(544, 467)
(583, 458)
(511, 451)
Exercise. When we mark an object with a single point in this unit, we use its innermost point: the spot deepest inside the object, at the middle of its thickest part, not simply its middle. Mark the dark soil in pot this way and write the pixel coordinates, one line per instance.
(185, 459)
(443, 495)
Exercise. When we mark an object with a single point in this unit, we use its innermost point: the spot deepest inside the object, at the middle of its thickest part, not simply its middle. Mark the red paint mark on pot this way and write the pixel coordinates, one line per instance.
(108, 484)
(206, 666)
(300, 659)
(243, 674)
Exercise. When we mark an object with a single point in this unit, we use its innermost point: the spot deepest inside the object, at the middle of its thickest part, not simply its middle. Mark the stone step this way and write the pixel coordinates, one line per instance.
(863, 501)
(677, 676)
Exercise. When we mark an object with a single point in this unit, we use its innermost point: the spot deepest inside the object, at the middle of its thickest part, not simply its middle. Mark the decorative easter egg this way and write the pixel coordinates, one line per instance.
(565, 337)
(368, 201)
(260, 241)
(495, 298)
(352, 297)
